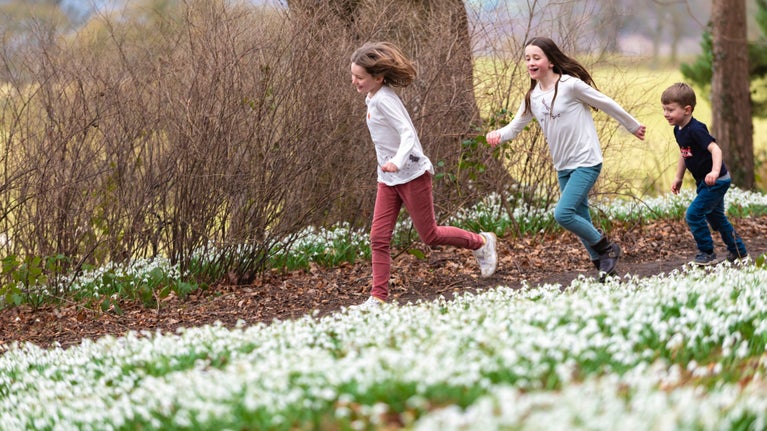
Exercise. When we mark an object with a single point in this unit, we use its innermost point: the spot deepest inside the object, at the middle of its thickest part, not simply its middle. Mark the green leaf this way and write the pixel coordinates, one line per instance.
(419, 254)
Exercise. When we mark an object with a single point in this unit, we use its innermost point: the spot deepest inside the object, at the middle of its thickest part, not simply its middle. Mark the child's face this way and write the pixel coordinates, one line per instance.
(676, 114)
(364, 82)
(538, 64)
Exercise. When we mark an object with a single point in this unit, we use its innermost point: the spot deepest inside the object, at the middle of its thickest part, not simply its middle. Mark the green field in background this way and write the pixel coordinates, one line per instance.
(647, 167)
(654, 160)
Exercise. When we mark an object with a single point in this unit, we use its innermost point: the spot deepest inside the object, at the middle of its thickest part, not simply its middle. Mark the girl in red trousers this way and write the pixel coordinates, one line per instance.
(404, 172)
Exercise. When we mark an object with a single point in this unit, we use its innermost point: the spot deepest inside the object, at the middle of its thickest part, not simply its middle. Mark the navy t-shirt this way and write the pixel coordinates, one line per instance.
(693, 141)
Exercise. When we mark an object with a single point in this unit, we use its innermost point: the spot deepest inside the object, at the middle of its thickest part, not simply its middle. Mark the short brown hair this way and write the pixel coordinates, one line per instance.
(680, 93)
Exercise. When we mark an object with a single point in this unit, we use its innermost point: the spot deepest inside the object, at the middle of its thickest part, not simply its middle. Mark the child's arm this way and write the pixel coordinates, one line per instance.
(639, 133)
(716, 163)
(493, 138)
(676, 185)
(606, 104)
(389, 167)
(511, 130)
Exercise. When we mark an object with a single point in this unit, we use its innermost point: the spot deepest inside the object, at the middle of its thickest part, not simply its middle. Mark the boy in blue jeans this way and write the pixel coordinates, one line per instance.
(700, 154)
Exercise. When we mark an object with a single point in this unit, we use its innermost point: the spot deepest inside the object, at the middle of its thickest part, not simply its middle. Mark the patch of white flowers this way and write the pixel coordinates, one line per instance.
(136, 272)
(314, 240)
(671, 204)
(341, 232)
(628, 402)
(679, 351)
(491, 211)
(744, 198)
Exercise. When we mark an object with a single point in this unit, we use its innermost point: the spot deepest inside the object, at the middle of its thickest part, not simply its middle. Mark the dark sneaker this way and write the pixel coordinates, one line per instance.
(609, 253)
(732, 257)
(704, 259)
(609, 260)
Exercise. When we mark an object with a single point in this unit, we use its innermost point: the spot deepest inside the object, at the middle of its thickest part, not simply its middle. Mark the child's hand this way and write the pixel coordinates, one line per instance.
(639, 133)
(711, 178)
(676, 185)
(389, 167)
(493, 138)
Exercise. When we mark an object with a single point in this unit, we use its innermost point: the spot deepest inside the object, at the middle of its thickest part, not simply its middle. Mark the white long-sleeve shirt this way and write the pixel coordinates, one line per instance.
(570, 130)
(395, 138)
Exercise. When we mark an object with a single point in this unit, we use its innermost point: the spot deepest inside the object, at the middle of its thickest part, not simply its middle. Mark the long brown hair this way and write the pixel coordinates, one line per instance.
(387, 60)
(563, 65)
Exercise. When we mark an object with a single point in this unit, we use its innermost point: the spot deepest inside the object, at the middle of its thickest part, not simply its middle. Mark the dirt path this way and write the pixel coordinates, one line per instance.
(648, 250)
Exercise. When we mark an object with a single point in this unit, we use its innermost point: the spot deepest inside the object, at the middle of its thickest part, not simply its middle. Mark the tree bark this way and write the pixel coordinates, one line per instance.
(441, 101)
(730, 95)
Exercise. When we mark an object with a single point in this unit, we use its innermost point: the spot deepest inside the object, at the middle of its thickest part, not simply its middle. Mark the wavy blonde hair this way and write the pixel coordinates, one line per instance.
(387, 60)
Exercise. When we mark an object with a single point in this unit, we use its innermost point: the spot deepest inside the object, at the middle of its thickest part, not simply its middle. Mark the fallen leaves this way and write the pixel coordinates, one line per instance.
(438, 271)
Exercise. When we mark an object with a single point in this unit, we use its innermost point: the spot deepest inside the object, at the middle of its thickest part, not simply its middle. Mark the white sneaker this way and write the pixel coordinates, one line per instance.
(372, 303)
(487, 255)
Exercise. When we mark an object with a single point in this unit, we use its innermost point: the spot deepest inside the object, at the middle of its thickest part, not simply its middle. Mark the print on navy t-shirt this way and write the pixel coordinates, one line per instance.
(693, 141)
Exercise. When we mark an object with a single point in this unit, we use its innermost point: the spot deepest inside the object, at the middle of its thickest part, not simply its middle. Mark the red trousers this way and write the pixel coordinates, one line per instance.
(419, 202)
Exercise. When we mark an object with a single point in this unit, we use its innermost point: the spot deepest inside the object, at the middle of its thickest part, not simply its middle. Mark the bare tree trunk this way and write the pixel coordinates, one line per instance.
(730, 96)
(435, 34)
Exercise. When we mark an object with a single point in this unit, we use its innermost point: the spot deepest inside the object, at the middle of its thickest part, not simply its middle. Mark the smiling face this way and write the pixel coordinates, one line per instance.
(676, 114)
(538, 65)
(364, 82)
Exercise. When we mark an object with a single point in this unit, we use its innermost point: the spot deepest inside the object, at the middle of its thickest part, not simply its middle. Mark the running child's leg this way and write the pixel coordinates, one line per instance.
(419, 201)
(572, 210)
(717, 218)
(385, 213)
(696, 216)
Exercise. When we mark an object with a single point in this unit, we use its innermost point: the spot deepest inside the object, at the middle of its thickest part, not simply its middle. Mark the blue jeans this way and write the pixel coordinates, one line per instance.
(708, 206)
(572, 210)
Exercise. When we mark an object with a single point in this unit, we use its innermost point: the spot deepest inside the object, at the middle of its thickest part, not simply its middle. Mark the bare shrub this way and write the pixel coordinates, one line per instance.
(167, 137)
(212, 127)
(221, 129)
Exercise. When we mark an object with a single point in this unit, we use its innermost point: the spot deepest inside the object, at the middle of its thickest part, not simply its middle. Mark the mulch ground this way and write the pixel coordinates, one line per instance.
(445, 271)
